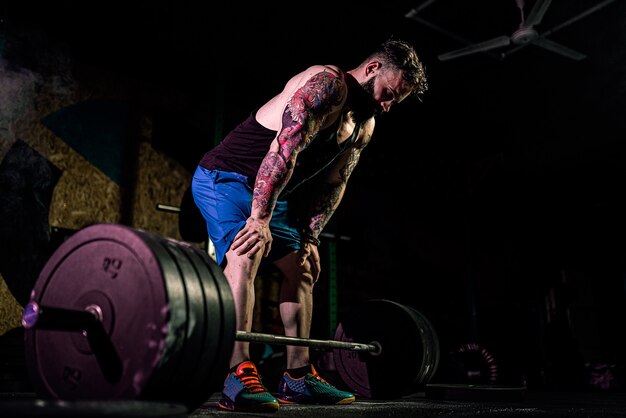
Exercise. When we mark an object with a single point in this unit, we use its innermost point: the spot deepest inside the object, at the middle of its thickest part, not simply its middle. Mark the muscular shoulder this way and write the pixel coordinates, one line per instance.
(319, 88)
(326, 72)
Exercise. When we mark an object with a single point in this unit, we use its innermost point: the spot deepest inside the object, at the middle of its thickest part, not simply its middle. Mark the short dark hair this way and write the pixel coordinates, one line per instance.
(402, 56)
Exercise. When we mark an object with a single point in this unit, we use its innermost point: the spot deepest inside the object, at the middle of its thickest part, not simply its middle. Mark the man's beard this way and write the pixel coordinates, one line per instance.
(368, 86)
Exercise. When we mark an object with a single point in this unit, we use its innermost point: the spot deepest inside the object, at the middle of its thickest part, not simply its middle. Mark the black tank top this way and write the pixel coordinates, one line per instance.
(243, 150)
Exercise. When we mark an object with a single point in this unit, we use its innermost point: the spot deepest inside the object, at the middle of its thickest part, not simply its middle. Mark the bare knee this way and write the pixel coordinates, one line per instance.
(242, 266)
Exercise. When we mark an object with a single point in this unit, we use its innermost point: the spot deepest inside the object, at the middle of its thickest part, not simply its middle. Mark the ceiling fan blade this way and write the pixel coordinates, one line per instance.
(414, 11)
(412, 15)
(439, 29)
(498, 42)
(512, 50)
(537, 12)
(579, 16)
(558, 48)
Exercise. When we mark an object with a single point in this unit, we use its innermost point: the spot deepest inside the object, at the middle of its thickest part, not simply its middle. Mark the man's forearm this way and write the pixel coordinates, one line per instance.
(331, 193)
(324, 207)
(271, 178)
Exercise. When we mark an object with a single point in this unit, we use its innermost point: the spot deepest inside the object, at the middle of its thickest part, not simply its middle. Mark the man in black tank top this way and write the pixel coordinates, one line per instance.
(307, 137)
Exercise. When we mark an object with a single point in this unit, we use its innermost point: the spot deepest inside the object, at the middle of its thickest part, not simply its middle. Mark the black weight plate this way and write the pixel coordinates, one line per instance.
(189, 381)
(111, 266)
(219, 337)
(393, 372)
(163, 385)
(431, 351)
(228, 320)
(228, 314)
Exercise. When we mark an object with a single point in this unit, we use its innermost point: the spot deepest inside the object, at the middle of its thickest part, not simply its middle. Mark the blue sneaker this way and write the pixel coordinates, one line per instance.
(311, 389)
(244, 391)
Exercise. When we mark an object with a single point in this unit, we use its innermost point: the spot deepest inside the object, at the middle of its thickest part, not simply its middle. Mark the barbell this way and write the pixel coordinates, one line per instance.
(120, 313)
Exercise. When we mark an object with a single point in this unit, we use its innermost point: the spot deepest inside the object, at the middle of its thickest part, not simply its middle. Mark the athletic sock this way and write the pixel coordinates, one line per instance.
(300, 371)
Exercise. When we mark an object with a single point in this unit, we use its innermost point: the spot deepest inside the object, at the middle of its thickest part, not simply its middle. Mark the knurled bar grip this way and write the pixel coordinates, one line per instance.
(373, 348)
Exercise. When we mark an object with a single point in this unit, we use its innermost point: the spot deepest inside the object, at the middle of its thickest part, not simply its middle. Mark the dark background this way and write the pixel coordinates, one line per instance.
(495, 206)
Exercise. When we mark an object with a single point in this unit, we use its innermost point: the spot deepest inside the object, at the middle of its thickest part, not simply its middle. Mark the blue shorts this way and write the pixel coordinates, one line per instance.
(225, 201)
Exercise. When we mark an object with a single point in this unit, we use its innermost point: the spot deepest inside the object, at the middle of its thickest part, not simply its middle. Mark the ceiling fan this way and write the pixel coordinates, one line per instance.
(525, 35)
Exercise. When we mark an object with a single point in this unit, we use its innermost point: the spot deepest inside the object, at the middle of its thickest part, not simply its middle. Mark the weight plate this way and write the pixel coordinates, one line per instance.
(430, 348)
(227, 320)
(472, 364)
(405, 343)
(228, 316)
(219, 338)
(110, 266)
(188, 382)
(166, 376)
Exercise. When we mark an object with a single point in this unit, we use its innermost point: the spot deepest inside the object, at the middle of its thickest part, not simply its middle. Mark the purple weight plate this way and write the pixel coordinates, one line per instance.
(110, 266)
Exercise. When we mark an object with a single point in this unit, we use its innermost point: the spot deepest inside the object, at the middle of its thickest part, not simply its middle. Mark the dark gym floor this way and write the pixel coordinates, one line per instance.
(417, 405)
(541, 404)
(434, 400)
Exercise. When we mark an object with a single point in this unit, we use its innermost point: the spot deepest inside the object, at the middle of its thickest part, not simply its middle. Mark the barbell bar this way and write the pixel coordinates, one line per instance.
(373, 348)
(149, 317)
(90, 319)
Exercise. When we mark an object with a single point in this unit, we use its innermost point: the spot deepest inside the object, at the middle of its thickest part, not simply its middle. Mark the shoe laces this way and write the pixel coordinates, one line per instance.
(251, 380)
(319, 378)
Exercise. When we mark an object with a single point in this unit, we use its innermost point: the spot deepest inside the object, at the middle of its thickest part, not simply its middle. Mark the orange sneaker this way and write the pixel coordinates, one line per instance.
(244, 391)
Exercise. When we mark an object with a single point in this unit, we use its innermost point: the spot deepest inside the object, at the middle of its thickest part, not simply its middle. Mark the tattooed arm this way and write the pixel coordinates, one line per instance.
(333, 189)
(302, 118)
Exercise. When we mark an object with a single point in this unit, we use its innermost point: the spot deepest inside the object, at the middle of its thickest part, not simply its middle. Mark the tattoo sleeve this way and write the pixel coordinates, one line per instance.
(331, 194)
(301, 120)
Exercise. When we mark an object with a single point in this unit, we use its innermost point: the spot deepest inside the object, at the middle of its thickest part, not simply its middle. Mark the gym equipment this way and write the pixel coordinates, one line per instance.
(409, 343)
(120, 313)
(165, 320)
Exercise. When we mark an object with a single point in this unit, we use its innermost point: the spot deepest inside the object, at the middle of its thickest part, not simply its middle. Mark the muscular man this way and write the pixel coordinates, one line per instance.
(311, 135)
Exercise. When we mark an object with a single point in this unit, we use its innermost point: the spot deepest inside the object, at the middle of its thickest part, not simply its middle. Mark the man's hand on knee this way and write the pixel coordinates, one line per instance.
(252, 238)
